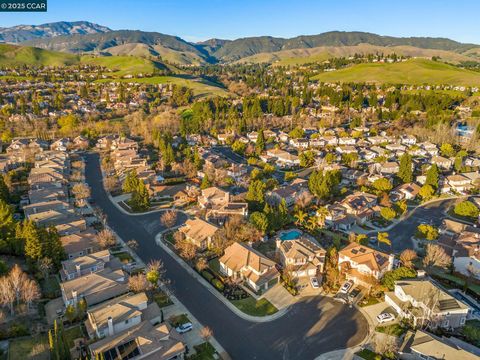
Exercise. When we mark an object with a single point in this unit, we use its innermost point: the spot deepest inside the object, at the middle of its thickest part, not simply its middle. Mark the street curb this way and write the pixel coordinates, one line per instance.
(199, 278)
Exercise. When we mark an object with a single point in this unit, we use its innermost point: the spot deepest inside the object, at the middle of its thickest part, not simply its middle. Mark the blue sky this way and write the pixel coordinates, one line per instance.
(230, 19)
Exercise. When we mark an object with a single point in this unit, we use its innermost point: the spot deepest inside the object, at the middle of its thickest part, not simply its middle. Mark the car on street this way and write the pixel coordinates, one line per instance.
(346, 287)
(354, 293)
(314, 282)
(182, 329)
(385, 317)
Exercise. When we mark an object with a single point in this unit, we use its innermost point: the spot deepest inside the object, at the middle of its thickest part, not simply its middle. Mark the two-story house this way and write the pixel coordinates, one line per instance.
(242, 263)
(426, 304)
(199, 232)
(360, 263)
(87, 264)
(302, 256)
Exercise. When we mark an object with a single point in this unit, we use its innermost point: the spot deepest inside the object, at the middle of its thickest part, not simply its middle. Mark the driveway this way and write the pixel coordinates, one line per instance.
(279, 297)
(374, 310)
(312, 326)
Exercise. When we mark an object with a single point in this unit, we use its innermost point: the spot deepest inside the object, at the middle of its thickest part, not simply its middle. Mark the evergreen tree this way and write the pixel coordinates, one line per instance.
(432, 176)
(7, 226)
(256, 195)
(33, 244)
(260, 144)
(206, 183)
(405, 172)
(4, 192)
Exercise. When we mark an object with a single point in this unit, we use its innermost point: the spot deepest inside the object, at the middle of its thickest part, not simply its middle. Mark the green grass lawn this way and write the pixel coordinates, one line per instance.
(73, 333)
(35, 347)
(369, 301)
(413, 71)
(453, 278)
(204, 351)
(214, 265)
(394, 329)
(253, 307)
(200, 87)
(368, 355)
(124, 257)
(162, 299)
(179, 320)
(50, 287)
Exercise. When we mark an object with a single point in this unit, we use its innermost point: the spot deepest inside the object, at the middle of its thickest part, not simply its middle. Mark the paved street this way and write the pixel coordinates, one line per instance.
(313, 326)
(432, 213)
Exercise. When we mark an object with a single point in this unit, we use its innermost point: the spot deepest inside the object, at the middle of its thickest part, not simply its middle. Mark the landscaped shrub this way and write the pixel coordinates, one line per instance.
(466, 208)
(207, 275)
(218, 284)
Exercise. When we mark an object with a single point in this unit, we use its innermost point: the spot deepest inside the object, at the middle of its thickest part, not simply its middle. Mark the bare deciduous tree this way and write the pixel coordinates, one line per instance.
(81, 191)
(17, 279)
(201, 264)
(186, 249)
(169, 218)
(30, 292)
(436, 256)
(132, 244)
(384, 344)
(45, 264)
(407, 256)
(303, 200)
(206, 333)
(7, 294)
(138, 283)
(106, 238)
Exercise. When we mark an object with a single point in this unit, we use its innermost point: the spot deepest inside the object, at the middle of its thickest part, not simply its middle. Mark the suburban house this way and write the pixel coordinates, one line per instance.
(80, 244)
(121, 313)
(360, 263)
(242, 263)
(199, 232)
(464, 248)
(389, 168)
(95, 287)
(302, 256)
(141, 341)
(87, 264)
(425, 303)
(338, 218)
(284, 158)
(290, 192)
(219, 206)
(407, 191)
(421, 345)
(361, 205)
(442, 162)
(457, 183)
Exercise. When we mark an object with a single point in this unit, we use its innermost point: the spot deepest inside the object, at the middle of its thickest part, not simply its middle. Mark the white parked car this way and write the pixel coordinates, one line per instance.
(184, 328)
(314, 282)
(346, 287)
(385, 317)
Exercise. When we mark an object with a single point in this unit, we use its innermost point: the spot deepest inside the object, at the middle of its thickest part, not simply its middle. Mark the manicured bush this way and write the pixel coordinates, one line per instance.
(466, 208)
(207, 275)
(218, 284)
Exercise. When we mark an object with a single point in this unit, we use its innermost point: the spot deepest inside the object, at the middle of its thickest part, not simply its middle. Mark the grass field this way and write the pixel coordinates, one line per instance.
(123, 65)
(414, 72)
(18, 55)
(253, 307)
(200, 87)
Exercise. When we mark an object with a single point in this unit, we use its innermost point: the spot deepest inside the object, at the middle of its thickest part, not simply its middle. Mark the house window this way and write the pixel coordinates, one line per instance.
(446, 323)
(462, 320)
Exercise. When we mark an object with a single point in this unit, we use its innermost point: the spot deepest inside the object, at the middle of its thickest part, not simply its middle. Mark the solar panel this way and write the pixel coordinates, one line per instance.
(448, 304)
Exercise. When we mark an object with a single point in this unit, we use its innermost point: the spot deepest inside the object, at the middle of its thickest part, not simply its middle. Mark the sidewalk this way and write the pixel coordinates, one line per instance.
(199, 278)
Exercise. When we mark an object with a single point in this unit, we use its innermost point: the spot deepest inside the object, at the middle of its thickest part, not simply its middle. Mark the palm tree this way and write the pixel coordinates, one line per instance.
(312, 223)
(382, 237)
(301, 217)
(322, 213)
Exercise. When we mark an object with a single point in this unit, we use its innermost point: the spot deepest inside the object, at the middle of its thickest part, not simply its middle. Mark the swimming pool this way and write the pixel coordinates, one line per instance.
(290, 235)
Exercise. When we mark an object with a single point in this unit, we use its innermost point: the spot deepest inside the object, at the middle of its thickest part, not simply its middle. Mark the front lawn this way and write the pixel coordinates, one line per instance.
(71, 334)
(368, 355)
(178, 320)
(394, 329)
(369, 301)
(204, 351)
(124, 257)
(251, 306)
(162, 299)
(35, 347)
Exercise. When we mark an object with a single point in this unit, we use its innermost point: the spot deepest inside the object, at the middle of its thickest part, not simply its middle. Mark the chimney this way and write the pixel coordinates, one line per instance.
(74, 296)
(110, 326)
(420, 273)
(391, 260)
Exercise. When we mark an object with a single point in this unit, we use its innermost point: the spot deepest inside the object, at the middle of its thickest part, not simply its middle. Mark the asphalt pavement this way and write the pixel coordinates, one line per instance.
(313, 326)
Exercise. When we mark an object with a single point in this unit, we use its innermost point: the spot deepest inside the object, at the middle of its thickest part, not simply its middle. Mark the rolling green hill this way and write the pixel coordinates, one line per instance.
(124, 65)
(414, 72)
(18, 55)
